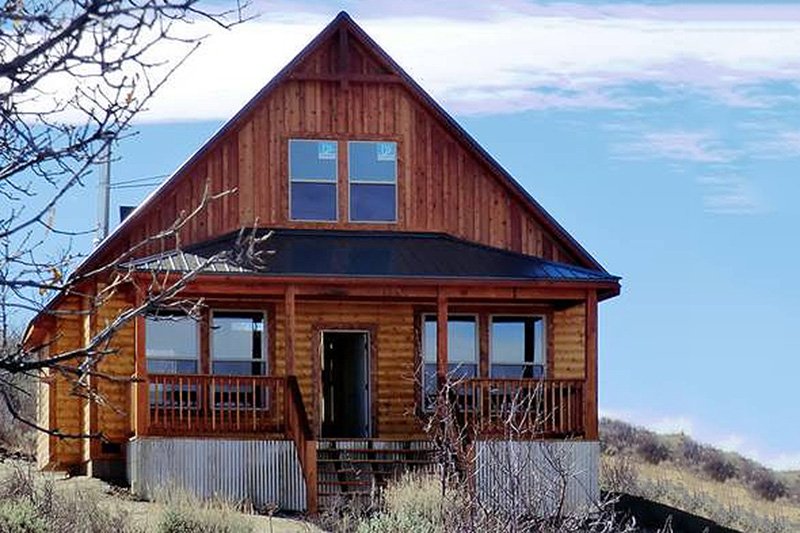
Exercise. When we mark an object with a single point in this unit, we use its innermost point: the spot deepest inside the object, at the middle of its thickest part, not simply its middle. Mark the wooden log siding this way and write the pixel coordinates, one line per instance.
(68, 408)
(113, 416)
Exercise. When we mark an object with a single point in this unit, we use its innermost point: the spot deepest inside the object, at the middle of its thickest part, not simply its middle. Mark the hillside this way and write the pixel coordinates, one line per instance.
(675, 470)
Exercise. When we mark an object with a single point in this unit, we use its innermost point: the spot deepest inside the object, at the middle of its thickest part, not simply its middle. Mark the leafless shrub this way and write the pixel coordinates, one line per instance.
(618, 473)
(718, 467)
(767, 485)
(26, 501)
(691, 451)
(515, 482)
(75, 75)
(652, 449)
(616, 435)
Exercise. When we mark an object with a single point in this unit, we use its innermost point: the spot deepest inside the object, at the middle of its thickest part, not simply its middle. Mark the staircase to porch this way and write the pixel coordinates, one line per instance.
(356, 468)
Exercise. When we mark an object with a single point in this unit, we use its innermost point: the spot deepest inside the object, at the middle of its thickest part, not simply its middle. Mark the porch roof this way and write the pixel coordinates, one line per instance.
(365, 254)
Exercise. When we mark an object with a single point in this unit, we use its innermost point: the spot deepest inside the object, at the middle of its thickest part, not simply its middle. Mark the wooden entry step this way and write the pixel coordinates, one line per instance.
(360, 468)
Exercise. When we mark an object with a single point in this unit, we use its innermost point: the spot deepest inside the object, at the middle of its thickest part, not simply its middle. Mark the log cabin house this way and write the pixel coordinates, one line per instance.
(401, 253)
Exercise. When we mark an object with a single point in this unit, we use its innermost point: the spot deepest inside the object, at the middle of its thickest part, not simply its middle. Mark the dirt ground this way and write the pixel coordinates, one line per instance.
(143, 513)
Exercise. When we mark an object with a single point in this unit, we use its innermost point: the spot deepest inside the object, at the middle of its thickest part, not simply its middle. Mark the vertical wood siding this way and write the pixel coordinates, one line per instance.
(532, 475)
(261, 472)
(442, 186)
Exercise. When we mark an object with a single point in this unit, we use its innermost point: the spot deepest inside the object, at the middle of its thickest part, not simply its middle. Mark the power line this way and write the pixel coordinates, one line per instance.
(137, 180)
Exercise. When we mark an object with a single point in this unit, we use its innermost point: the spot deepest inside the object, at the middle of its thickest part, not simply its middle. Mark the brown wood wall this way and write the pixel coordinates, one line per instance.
(66, 408)
(114, 419)
(569, 343)
(442, 186)
(395, 362)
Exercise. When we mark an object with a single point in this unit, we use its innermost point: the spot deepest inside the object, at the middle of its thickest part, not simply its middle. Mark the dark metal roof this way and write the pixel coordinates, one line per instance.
(368, 254)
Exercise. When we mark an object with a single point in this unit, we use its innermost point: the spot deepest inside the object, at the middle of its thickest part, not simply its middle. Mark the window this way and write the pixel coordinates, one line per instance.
(462, 352)
(238, 343)
(171, 343)
(312, 180)
(517, 347)
(373, 181)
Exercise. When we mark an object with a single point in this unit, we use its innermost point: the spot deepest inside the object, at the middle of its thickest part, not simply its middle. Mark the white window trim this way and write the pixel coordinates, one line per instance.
(264, 340)
(545, 355)
(334, 182)
(350, 184)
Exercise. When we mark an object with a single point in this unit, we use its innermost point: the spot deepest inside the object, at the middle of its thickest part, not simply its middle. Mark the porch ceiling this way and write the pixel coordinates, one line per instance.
(326, 253)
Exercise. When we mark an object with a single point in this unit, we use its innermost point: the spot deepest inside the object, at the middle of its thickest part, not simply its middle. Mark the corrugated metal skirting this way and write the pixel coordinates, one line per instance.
(261, 472)
(535, 477)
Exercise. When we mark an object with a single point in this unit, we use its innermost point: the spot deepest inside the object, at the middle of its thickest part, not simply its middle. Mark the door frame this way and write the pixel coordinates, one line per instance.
(317, 353)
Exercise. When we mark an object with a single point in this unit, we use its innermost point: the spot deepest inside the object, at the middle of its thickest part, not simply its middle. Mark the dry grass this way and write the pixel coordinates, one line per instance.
(677, 471)
(113, 509)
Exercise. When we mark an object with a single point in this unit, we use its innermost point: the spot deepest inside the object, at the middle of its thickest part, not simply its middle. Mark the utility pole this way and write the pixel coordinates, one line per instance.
(103, 194)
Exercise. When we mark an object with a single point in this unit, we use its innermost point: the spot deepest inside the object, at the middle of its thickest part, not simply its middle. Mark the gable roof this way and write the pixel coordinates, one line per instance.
(344, 23)
(370, 254)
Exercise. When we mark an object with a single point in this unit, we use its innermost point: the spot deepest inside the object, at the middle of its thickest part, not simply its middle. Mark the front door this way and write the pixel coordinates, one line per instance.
(345, 384)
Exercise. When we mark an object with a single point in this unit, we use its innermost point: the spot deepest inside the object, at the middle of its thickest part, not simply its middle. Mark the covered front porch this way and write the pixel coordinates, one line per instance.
(303, 353)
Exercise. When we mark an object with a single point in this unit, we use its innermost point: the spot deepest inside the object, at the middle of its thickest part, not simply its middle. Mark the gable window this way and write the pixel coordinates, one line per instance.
(517, 347)
(171, 343)
(238, 343)
(462, 352)
(312, 180)
(373, 181)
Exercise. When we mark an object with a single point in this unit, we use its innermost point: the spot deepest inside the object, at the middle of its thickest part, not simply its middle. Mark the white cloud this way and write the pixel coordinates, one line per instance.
(688, 425)
(678, 145)
(781, 144)
(515, 56)
(730, 195)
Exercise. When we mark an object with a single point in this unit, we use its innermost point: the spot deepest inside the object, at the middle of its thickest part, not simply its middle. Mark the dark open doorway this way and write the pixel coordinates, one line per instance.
(345, 384)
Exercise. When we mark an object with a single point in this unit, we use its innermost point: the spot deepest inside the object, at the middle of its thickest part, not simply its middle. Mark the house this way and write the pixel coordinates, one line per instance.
(401, 254)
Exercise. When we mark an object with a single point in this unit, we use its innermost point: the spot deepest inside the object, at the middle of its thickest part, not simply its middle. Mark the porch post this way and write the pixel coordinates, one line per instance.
(590, 388)
(441, 337)
(290, 328)
(141, 402)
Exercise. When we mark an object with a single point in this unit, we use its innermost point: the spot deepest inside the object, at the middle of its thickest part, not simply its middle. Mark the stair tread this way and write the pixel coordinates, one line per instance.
(372, 450)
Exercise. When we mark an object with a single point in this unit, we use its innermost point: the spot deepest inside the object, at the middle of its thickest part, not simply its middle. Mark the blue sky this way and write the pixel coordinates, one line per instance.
(664, 137)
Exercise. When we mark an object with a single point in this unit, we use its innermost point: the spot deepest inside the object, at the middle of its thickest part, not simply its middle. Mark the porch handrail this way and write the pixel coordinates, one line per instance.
(531, 407)
(298, 427)
(212, 403)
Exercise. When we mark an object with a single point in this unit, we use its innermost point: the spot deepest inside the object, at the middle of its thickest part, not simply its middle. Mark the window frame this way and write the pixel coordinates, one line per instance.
(350, 183)
(197, 339)
(335, 181)
(545, 354)
(264, 340)
(477, 363)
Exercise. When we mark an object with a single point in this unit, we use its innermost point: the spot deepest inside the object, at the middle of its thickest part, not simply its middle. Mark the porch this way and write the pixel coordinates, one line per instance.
(263, 419)
(207, 405)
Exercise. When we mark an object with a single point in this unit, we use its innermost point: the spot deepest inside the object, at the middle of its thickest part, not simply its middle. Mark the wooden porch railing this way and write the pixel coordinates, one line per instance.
(299, 429)
(521, 408)
(201, 404)
(205, 405)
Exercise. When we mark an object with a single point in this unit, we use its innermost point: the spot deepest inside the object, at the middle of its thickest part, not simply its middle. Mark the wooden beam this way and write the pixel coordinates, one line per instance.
(441, 337)
(590, 390)
(141, 408)
(483, 344)
(205, 341)
(290, 329)
(350, 77)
